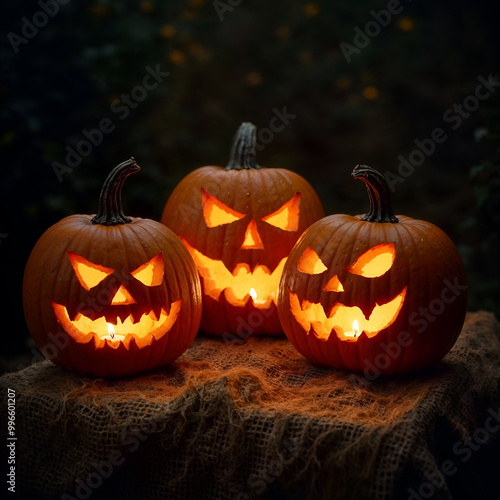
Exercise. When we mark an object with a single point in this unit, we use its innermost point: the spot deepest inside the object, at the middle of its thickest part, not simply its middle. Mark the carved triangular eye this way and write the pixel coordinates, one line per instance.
(89, 274)
(215, 212)
(374, 262)
(287, 216)
(310, 263)
(151, 273)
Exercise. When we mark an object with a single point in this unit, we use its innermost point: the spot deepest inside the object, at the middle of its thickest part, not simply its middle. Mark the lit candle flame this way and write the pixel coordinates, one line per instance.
(355, 327)
(111, 330)
(253, 293)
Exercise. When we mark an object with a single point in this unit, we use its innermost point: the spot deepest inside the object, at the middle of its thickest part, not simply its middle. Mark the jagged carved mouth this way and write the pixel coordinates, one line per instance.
(118, 331)
(341, 318)
(259, 285)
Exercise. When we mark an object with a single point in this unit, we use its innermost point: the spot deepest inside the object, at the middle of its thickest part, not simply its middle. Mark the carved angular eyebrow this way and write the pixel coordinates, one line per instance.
(287, 216)
(215, 212)
(89, 274)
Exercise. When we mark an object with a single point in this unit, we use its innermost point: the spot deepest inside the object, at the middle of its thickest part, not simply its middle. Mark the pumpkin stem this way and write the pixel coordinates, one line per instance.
(378, 192)
(110, 211)
(243, 155)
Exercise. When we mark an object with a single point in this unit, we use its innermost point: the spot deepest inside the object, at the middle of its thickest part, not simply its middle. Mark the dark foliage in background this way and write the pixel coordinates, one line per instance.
(263, 56)
(479, 232)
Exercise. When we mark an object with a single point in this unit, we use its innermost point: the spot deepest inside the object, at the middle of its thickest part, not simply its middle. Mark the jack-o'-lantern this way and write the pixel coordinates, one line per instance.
(239, 224)
(109, 294)
(377, 294)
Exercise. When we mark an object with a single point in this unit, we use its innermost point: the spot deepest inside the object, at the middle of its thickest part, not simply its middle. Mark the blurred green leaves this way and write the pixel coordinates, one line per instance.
(480, 230)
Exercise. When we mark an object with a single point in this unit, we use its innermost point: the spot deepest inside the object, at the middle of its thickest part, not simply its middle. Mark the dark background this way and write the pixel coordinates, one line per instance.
(261, 56)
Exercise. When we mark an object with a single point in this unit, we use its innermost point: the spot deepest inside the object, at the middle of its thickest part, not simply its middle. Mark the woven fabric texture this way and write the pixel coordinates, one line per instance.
(257, 420)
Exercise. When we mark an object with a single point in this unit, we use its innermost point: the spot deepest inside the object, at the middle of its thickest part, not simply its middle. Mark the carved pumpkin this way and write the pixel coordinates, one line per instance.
(239, 224)
(377, 294)
(109, 294)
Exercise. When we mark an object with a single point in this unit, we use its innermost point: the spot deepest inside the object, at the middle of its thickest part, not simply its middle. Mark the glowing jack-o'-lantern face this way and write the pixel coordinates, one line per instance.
(242, 283)
(111, 295)
(239, 225)
(123, 317)
(356, 290)
(347, 321)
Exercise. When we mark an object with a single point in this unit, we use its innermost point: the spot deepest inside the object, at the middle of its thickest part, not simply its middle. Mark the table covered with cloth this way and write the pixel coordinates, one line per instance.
(255, 419)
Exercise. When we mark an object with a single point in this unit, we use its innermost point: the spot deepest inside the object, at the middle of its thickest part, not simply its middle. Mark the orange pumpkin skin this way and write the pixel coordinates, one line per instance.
(122, 247)
(252, 193)
(427, 274)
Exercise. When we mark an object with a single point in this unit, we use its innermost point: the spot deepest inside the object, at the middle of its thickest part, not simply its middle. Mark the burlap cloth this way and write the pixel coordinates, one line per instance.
(259, 421)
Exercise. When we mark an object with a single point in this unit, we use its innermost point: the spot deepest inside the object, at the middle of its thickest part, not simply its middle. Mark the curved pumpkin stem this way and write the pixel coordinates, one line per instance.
(243, 154)
(378, 192)
(110, 211)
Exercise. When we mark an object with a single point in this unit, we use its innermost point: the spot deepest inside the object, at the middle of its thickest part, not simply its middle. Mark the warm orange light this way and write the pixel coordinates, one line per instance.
(374, 262)
(113, 340)
(252, 238)
(333, 285)
(310, 263)
(215, 212)
(355, 327)
(150, 273)
(255, 298)
(355, 330)
(238, 285)
(83, 329)
(89, 274)
(122, 297)
(287, 216)
(341, 318)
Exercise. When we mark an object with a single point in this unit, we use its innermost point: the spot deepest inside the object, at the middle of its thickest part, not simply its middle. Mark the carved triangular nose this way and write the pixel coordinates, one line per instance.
(252, 237)
(333, 285)
(122, 297)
